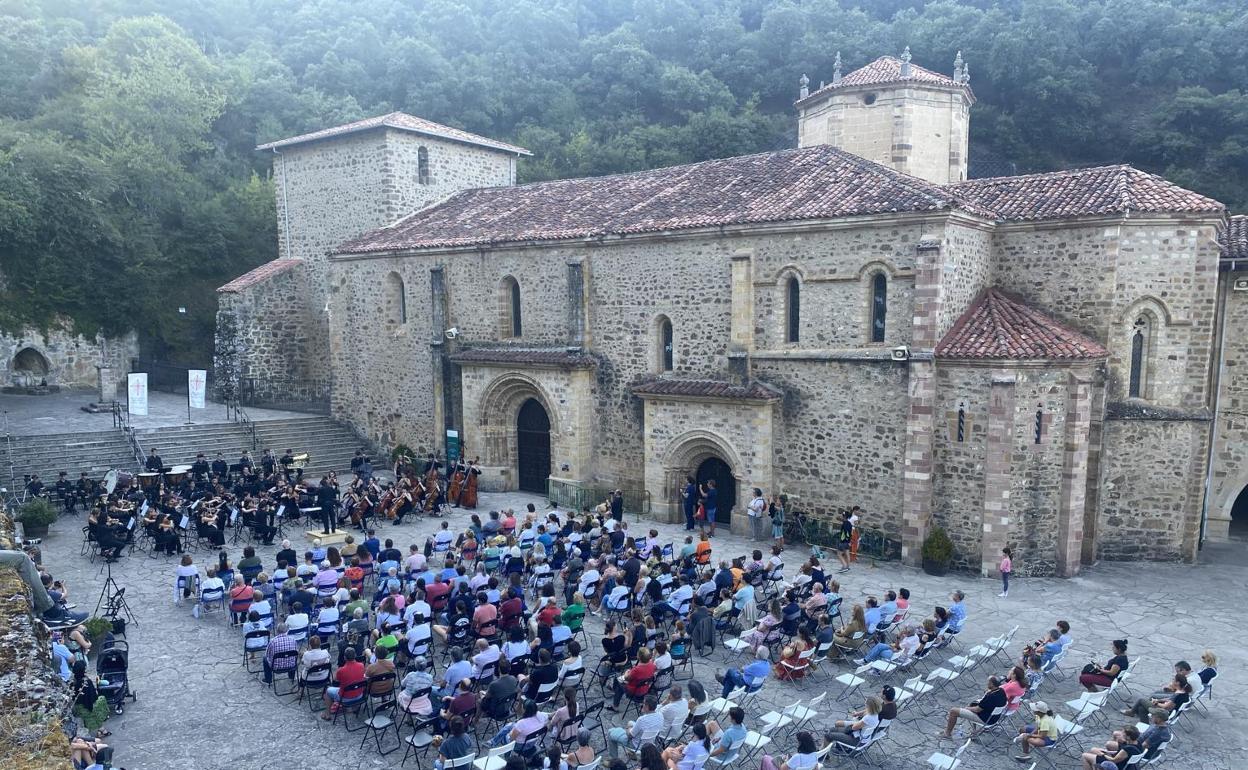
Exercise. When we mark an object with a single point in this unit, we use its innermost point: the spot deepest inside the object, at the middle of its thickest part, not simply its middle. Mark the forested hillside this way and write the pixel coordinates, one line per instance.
(129, 186)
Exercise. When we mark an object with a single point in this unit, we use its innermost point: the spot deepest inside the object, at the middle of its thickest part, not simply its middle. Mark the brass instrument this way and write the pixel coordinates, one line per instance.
(301, 461)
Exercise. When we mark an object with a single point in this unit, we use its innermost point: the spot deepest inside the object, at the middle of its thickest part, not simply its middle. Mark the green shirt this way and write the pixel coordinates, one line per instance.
(573, 616)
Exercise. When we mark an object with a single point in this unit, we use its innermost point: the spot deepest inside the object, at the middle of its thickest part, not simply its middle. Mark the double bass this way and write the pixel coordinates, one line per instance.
(468, 494)
(456, 485)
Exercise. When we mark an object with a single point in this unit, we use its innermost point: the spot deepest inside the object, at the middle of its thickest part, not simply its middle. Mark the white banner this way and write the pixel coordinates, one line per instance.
(196, 385)
(136, 388)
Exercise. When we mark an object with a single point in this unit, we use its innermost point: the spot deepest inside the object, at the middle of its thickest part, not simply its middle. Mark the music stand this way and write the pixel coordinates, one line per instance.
(113, 599)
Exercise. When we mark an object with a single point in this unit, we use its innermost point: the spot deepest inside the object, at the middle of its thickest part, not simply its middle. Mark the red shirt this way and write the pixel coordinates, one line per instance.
(548, 614)
(638, 674)
(484, 615)
(351, 672)
(436, 593)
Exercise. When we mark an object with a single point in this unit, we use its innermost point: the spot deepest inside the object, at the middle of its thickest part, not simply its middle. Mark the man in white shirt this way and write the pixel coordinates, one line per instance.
(674, 711)
(648, 725)
(415, 560)
(417, 610)
(297, 622)
(443, 539)
(487, 655)
(589, 577)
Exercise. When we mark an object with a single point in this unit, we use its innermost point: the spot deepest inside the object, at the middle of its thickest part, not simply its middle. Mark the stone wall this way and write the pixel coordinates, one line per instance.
(841, 436)
(272, 322)
(1151, 488)
(967, 269)
(918, 131)
(72, 360)
(33, 698)
(1230, 455)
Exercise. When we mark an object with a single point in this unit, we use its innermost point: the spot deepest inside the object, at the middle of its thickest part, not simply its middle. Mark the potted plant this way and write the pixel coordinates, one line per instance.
(937, 552)
(36, 516)
(96, 629)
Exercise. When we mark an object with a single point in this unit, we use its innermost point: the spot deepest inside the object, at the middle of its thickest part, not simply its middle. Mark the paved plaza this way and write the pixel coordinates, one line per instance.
(197, 707)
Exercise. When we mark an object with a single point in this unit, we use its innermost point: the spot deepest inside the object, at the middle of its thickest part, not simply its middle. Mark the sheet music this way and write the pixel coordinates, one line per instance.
(130, 526)
(186, 522)
(233, 515)
(281, 509)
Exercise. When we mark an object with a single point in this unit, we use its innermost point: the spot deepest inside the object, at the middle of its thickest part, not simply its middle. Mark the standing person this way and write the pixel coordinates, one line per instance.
(843, 540)
(754, 510)
(1007, 566)
(327, 498)
(778, 505)
(690, 499)
(854, 517)
(710, 499)
(617, 505)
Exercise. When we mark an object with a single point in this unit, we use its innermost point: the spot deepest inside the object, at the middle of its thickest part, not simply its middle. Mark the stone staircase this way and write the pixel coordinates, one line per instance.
(48, 454)
(330, 443)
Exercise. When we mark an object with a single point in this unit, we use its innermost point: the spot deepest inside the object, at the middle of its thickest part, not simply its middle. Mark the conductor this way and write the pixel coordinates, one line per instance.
(327, 498)
(154, 463)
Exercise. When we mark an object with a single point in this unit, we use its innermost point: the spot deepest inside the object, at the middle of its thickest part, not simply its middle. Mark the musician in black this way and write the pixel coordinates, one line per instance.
(65, 491)
(220, 468)
(154, 463)
(260, 519)
(357, 461)
(327, 498)
(200, 468)
(268, 463)
(86, 489)
(34, 487)
(431, 464)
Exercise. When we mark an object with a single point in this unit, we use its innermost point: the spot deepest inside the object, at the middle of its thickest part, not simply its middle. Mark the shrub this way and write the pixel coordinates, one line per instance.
(401, 450)
(937, 547)
(37, 513)
(97, 628)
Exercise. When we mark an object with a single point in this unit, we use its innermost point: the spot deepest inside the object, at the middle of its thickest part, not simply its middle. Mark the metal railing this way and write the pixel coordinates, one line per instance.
(291, 394)
(576, 496)
(121, 421)
(825, 532)
(234, 412)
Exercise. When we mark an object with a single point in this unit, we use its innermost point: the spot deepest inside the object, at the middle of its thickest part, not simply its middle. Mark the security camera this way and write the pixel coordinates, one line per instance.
(452, 333)
(901, 353)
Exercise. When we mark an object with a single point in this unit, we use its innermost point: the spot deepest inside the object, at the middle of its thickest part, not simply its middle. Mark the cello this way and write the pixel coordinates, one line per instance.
(468, 495)
(456, 486)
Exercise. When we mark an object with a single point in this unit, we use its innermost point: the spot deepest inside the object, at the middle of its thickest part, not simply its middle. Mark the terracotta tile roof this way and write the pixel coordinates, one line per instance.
(884, 70)
(1234, 238)
(262, 273)
(999, 327)
(665, 386)
(399, 121)
(810, 183)
(1084, 191)
(518, 356)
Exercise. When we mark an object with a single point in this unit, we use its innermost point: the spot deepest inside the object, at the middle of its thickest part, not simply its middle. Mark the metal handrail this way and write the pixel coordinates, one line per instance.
(576, 496)
(234, 412)
(121, 420)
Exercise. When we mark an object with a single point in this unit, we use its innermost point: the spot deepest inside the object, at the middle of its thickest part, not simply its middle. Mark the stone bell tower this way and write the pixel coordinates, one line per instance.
(895, 113)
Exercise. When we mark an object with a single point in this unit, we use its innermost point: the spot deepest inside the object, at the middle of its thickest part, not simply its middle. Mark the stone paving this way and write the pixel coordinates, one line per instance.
(197, 708)
(62, 413)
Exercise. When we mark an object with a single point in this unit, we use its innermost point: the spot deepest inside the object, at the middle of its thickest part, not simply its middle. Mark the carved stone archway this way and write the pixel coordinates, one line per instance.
(500, 405)
(687, 452)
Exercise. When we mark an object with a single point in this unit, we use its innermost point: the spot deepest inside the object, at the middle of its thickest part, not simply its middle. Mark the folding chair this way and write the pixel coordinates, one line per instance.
(351, 698)
(592, 719)
(852, 681)
(496, 758)
(316, 678)
(1205, 694)
(380, 712)
(254, 642)
(940, 761)
(284, 662)
(732, 752)
(211, 598)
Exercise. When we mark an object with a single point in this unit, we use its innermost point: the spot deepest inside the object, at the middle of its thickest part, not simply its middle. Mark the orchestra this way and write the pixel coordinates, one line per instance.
(168, 509)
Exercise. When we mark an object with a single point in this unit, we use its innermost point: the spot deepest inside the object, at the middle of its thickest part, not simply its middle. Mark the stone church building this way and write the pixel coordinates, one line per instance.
(1041, 361)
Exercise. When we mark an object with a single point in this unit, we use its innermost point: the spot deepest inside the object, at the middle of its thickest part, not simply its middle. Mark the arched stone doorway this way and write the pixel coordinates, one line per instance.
(30, 367)
(1239, 516)
(532, 447)
(714, 468)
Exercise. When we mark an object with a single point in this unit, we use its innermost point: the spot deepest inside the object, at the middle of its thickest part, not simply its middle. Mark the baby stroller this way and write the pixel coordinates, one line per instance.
(112, 667)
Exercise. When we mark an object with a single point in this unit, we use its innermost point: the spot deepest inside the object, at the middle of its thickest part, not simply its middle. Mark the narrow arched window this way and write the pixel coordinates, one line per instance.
(1039, 427)
(666, 345)
(793, 303)
(422, 165)
(961, 422)
(509, 321)
(516, 326)
(1138, 379)
(879, 306)
(397, 299)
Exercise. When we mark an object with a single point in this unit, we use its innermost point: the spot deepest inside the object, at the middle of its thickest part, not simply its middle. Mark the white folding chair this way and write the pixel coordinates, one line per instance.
(940, 761)
(496, 759)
